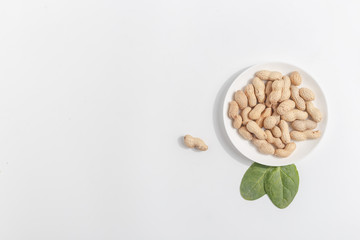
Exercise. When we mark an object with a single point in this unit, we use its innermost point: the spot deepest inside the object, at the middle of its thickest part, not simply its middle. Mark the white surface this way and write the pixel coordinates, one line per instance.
(245, 147)
(96, 95)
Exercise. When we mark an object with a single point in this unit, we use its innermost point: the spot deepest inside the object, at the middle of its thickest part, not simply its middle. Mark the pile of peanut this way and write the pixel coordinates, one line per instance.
(263, 111)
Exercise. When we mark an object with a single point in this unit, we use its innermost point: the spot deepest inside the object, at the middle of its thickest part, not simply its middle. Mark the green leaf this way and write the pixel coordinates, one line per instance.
(252, 183)
(282, 184)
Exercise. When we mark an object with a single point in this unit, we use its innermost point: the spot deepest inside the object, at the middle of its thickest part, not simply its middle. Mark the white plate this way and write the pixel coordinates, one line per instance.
(246, 147)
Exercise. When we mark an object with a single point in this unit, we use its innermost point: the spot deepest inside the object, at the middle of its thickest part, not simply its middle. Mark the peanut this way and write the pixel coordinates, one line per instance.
(302, 125)
(268, 88)
(295, 78)
(301, 136)
(268, 75)
(277, 88)
(276, 132)
(252, 127)
(245, 115)
(233, 110)
(241, 99)
(270, 122)
(289, 149)
(314, 112)
(266, 113)
(263, 146)
(271, 139)
(285, 95)
(306, 94)
(256, 111)
(299, 102)
(245, 133)
(197, 143)
(250, 93)
(285, 136)
(285, 106)
(259, 88)
(277, 116)
(294, 114)
(237, 122)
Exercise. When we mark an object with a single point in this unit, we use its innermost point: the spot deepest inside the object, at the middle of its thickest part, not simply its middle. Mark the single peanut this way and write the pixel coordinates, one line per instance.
(294, 114)
(260, 120)
(301, 136)
(250, 93)
(299, 101)
(237, 122)
(259, 88)
(270, 122)
(263, 146)
(295, 78)
(245, 115)
(277, 116)
(284, 127)
(256, 111)
(302, 125)
(233, 110)
(252, 127)
(306, 94)
(269, 75)
(276, 132)
(241, 99)
(314, 112)
(285, 95)
(289, 149)
(193, 142)
(277, 88)
(268, 88)
(285, 106)
(245, 133)
(276, 141)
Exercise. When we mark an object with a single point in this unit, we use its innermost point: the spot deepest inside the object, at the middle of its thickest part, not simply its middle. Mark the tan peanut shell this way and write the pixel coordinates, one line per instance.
(269, 75)
(285, 106)
(241, 99)
(263, 146)
(268, 88)
(259, 88)
(250, 93)
(277, 88)
(245, 133)
(260, 120)
(256, 111)
(306, 94)
(277, 116)
(295, 78)
(193, 142)
(237, 122)
(294, 114)
(233, 110)
(287, 151)
(245, 115)
(301, 136)
(252, 127)
(314, 112)
(299, 102)
(271, 139)
(270, 122)
(285, 95)
(302, 125)
(285, 135)
(276, 132)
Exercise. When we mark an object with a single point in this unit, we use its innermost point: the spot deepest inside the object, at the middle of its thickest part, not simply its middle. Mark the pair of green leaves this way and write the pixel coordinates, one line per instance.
(279, 183)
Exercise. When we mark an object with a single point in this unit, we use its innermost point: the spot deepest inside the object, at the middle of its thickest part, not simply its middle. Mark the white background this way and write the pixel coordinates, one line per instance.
(96, 95)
